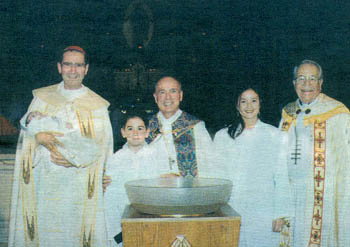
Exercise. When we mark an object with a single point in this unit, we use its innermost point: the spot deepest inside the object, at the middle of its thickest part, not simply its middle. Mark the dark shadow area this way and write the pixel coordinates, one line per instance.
(212, 48)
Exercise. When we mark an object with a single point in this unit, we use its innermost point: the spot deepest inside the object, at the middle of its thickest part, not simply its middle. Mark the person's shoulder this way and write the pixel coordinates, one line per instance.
(147, 150)
(290, 108)
(326, 100)
(96, 96)
(190, 117)
(115, 156)
(272, 131)
(115, 160)
(221, 134)
(94, 100)
(268, 127)
(192, 120)
(43, 91)
(327, 108)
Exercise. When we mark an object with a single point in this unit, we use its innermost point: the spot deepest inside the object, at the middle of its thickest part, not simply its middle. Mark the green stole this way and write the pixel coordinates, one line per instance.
(184, 141)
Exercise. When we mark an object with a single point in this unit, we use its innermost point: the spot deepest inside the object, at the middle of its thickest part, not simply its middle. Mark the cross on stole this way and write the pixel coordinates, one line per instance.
(296, 154)
(317, 217)
(318, 178)
(319, 139)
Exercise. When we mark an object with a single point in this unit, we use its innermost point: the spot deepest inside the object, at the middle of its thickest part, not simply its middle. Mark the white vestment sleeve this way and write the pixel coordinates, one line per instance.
(114, 199)
(343, 182)
(282, 192)
(204, 150)
(221, 154)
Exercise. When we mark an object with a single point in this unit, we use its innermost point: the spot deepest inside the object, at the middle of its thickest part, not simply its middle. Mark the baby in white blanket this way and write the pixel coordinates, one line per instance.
(80, 151)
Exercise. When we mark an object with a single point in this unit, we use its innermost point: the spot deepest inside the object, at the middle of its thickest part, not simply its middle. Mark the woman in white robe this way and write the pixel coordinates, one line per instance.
(253, 155)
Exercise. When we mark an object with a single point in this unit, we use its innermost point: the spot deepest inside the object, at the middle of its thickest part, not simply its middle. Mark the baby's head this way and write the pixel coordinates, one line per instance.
(34, 115)
(135, 130)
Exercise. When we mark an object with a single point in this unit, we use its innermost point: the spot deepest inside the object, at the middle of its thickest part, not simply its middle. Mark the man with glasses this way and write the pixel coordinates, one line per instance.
(55, 201)
(318, 161)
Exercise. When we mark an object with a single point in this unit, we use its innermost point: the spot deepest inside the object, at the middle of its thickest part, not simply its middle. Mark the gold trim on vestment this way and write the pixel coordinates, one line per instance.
(319, 182)
(290, 119)
(29, 211)
(54, 101)
(325, 116)
(86, 125)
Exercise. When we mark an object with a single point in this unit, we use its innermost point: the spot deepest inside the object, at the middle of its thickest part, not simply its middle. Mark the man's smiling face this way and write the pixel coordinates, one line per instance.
(307, 84)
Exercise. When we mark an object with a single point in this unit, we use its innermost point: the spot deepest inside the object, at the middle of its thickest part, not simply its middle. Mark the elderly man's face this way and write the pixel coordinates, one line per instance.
(168, 96)
(73, 69)
(307, 85)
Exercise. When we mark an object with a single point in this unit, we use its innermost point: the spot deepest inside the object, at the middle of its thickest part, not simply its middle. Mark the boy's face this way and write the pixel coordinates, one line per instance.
(135, 132)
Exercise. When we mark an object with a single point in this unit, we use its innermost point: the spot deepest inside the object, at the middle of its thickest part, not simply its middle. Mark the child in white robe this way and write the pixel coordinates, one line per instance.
(136, 160)
(80, 151)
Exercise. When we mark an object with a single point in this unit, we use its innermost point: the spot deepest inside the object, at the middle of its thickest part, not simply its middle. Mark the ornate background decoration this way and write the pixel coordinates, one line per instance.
(138, 24)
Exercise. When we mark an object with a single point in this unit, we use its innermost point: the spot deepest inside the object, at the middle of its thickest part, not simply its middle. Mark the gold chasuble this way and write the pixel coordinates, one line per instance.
(318, 199)
(53, 205)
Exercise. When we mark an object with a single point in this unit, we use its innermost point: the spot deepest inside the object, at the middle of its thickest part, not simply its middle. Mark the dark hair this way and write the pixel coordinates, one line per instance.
(237, 125)
(134, 114)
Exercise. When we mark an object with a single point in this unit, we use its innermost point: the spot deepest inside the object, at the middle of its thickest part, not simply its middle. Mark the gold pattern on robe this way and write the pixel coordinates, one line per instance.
(26, 167)
(87, 242)
(91, 186)
(25, 172)
(86, 125)
(319, 178)
(30, 228)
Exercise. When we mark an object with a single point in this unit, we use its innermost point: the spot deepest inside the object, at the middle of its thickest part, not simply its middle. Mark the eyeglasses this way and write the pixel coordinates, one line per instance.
(303, 79)
(71, 65)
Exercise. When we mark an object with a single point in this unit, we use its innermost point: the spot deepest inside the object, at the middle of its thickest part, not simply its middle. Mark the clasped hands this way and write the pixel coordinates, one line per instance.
(49, 140)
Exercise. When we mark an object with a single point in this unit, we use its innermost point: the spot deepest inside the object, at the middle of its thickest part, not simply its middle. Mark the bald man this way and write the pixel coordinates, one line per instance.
(181, 139)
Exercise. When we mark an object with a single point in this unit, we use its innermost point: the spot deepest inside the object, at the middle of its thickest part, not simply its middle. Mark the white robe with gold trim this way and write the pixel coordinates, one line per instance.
(330, 220)
(53, 205)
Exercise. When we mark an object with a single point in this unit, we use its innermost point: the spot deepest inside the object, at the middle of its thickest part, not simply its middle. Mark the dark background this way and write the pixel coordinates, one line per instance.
(212, 47)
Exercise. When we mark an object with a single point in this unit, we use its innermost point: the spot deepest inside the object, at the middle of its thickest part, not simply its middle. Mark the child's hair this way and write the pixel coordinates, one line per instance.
(133, 114)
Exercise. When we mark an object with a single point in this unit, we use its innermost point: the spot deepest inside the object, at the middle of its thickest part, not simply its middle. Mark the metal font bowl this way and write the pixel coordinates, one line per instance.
(178, 196)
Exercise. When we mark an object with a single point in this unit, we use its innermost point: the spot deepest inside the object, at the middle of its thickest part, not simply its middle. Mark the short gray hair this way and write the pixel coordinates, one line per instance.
(307, 61)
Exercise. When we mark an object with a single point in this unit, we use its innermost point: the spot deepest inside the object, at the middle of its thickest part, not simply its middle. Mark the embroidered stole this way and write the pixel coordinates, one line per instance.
(91, 184)
(184, 141)
(319, 166)
(319, 175)
(26, 183)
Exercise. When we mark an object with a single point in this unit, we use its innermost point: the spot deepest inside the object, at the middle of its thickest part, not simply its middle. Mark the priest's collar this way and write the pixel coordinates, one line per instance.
(304, 106)
(166, 121)
(70, 95)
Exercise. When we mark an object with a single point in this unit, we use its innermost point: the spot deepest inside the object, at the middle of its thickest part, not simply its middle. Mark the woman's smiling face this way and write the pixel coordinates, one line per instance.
(248, 105)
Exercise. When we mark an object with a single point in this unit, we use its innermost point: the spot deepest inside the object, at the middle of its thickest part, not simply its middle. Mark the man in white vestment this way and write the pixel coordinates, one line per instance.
(181, 136)
(55, 202)
(318, 161)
